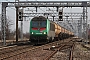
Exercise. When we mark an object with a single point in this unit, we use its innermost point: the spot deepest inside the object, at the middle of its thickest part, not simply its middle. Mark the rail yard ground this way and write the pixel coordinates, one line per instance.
(11, 42)
(80, 52)
(67, 49)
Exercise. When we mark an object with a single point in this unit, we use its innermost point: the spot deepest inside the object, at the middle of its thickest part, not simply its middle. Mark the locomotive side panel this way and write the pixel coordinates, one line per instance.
(51, 33)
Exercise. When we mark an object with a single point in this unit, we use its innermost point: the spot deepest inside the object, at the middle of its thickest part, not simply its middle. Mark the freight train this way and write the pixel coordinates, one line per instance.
(43, 30)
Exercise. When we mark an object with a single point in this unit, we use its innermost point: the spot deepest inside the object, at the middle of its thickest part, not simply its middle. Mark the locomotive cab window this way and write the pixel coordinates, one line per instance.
(42, 23)
(38, 23)
(35, 23)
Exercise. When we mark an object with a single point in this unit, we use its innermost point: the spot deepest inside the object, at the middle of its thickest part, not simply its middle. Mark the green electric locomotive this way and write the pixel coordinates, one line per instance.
(42, 30)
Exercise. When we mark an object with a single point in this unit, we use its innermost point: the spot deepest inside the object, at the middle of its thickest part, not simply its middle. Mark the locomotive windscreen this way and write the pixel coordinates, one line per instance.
(38, 23)
(43, 23)
(35, 23)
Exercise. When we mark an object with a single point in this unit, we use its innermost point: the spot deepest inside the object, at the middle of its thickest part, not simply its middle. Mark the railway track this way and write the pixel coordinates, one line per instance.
(10, 52)
(63, 47)
(35, 52)
(12, 42)
(16, 46)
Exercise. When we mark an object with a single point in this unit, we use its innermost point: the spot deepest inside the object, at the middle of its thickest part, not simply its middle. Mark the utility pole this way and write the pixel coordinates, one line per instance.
(67, 20)
(86, 26)
(3, 23)
(17, 21)
(21, 30)
(22, 26)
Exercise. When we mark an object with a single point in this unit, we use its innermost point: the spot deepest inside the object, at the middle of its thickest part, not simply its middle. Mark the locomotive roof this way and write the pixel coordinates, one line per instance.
(39, 18)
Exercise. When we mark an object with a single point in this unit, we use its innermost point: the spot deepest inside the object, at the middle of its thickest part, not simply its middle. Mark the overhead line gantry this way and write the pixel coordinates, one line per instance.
(36, 4)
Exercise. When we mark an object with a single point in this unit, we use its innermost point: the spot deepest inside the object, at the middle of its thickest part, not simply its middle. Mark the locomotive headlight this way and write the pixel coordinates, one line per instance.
(44, 32)
(32, 32)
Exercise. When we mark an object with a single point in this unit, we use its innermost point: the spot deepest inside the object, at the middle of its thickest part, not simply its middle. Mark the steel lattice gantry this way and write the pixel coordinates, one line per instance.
(56, 4)
(49, 4)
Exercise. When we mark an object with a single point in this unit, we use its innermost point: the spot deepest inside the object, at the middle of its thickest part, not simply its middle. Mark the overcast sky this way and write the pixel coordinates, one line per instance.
(11, 12)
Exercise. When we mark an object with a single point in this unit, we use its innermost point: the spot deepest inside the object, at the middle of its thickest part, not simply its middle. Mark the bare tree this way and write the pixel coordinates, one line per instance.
(9, 23)
(27, 35)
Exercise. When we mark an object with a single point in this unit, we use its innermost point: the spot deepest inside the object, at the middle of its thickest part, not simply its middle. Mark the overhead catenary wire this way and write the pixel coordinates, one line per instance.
(43, 10)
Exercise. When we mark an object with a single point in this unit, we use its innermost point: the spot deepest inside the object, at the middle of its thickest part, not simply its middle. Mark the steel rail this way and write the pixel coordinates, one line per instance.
(71, 52)
(54, 53)
(28, 49)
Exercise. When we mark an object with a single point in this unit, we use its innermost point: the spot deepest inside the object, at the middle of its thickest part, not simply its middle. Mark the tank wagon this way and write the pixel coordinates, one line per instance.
(43, 30)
